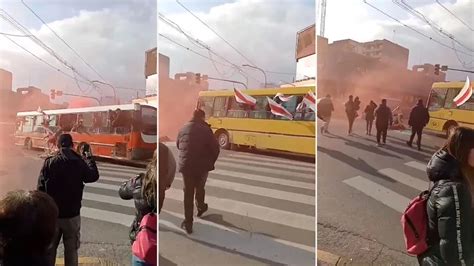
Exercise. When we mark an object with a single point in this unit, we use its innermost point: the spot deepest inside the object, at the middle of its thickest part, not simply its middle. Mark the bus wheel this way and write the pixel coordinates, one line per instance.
(223, 139)
(29, 144)
(450, 129)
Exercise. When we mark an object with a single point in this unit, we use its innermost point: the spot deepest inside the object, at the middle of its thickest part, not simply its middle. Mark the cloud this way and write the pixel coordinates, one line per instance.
(262, 30)
(111, 39)
(358, 21)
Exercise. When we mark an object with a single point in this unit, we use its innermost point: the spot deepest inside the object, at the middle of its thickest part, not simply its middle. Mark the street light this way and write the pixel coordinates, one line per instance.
(113, 88)
(264, 74)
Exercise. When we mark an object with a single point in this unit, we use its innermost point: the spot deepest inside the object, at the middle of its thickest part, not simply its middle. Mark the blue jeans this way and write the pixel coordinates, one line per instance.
(137, 262)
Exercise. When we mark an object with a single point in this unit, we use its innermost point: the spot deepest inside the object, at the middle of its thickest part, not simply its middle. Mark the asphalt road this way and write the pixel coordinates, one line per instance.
(261, 212)
(105, 217)
(362, 190)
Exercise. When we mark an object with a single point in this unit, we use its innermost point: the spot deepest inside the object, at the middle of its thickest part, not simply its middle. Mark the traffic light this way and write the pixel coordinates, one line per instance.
(436, 69)
(53, 94)
(198, 78)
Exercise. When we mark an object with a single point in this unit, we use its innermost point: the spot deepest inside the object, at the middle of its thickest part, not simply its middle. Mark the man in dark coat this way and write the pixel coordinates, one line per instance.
(62, 177)
(198, 152)
(325, 109)
(383, 118)
(350, 112)
(419, 118)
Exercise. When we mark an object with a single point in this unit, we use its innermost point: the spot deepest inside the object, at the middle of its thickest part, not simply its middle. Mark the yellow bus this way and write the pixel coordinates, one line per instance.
(444, 114)
(236, 124)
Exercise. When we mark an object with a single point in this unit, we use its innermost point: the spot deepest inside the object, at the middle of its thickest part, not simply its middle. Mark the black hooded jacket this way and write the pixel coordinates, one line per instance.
(63, 176)
(449, 211)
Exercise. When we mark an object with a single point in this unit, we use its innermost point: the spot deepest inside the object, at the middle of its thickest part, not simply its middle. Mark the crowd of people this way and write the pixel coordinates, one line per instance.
(381, 114)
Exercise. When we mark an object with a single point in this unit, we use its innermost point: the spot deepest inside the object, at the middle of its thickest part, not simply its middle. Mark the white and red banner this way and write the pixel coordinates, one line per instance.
(243, 98)
(283, 98)
(464, 95)
(279, 110)
(310, 100)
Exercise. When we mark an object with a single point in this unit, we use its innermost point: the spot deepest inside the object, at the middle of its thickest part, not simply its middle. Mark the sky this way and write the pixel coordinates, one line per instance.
(111, 36)
(353, 19)
(263, 31)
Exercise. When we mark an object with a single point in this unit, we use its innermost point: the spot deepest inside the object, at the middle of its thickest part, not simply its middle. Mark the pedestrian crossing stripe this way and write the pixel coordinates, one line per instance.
(310, 176)
(270, 159)
(387, 196)
(257, 161)
(257, 245)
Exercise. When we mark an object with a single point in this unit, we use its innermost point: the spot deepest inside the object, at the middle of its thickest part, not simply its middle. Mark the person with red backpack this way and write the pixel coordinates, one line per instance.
(143, 233)
(438, 225)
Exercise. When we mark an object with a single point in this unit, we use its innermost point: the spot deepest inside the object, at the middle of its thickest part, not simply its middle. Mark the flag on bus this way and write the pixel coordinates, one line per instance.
(279, 110)
(283, 98)
(310, 100)
(464, 95)
(243, 98)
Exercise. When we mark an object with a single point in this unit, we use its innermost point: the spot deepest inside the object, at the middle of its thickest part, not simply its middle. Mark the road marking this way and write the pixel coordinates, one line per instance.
(200, 221)
(271, 215)
(118, 166)
(107, 216)
(270, 159)
(114, 179)
(259, 191)
(116, 174)
(379, 193)
(257, 161)
(108, 199)
(253, 244)
(267, 170)
(405, 179)
(266, 179)
(417, 165)
(120, 170)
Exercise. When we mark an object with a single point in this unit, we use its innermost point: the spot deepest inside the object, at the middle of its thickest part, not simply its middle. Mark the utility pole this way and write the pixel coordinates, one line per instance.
(322, 24)
(113, 88)
(263, 71)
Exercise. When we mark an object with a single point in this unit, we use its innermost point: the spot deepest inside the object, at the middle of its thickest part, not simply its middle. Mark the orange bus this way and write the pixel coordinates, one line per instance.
(127, 131)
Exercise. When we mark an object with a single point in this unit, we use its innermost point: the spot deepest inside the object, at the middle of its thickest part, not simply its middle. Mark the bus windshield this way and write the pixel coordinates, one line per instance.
(149, 120)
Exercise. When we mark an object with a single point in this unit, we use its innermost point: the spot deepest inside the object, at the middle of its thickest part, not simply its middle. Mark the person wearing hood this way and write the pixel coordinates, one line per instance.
(419, 118)
(62, 177)
(383, 119)
(449, 205)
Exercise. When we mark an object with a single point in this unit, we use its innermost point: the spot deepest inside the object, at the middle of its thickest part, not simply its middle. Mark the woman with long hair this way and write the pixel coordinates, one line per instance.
(449, 206)
(27, 226)
(143, 190)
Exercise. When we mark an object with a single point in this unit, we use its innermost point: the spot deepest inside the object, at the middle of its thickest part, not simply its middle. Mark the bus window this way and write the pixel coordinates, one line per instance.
(437, 98)
(149, 121)
(237, 110)
(260, 111)
(219, 109)
(299, 113)
(205, 104)
(449, 101)
(123, 122)
(469, 105)
(38, 122)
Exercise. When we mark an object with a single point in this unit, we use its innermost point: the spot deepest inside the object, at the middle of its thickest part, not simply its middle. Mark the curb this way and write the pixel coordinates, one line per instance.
(88, 261)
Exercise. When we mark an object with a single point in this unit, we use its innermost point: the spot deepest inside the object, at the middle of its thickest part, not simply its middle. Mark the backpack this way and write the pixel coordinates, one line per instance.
(415, 224)
(145, 245)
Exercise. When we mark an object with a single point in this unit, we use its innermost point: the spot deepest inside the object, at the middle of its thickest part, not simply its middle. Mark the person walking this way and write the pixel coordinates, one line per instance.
(419, 118)
(325, 109)
(383, 118)
(370, 116)
(350, 112)
(167, 171)
(62, 177)
(142, 189)
(449, 204)
(357, 105)
(27, 226)
(198, 152)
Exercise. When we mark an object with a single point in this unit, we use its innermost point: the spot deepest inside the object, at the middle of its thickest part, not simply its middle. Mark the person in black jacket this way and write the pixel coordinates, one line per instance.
(325, 109)
(198, 152)
(419, 118)
(370, 116)
(142, 189)
(449, 206)
(383, 118)
(351, 113)
(62, 177)
(27, 226)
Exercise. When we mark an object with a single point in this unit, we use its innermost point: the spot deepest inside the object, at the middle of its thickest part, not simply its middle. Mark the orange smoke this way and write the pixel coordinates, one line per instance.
(81, 102)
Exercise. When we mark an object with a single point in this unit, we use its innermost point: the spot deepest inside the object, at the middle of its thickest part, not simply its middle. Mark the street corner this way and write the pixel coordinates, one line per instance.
(327, 258)
(89, 261)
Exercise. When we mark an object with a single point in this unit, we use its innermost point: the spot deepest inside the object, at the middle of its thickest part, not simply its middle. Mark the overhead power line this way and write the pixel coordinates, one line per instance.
(59, 37)
(216, 33)
(415, 30)
(454, 15)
